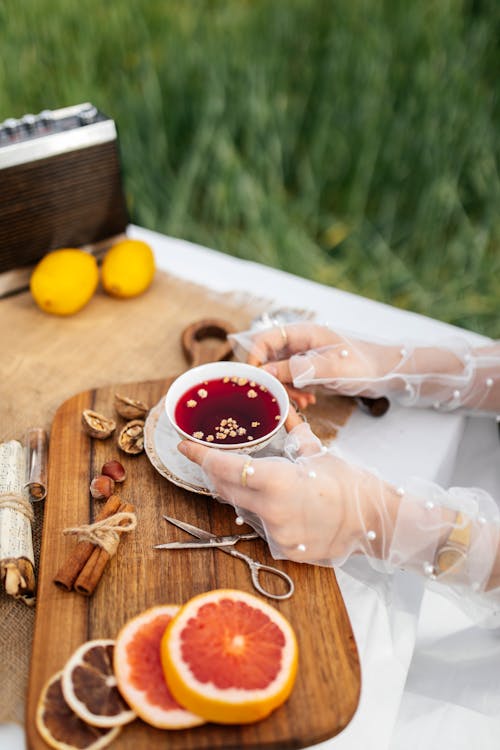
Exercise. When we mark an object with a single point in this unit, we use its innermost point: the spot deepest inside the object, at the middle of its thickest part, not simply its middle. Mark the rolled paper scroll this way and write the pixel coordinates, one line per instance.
(17, 563)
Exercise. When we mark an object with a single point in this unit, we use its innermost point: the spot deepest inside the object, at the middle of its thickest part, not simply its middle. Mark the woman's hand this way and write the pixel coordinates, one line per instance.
(315, 507)
(302, 355)
(446, 376)
(311, 506)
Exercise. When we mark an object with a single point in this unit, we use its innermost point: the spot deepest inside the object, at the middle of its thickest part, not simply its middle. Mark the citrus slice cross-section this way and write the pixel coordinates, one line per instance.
(61, 728)
(138, 669)
(230, 657)
(89, 686)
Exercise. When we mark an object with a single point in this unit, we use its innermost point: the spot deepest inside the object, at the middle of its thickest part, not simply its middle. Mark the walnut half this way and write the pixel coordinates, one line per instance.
(96, 425)
(131, 438)
(130, 408)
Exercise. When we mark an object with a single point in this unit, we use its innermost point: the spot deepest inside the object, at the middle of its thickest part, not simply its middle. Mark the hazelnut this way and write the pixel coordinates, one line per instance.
(102, 487)
(96, 425)
(129, 408)
(115, 470)
(131, 438)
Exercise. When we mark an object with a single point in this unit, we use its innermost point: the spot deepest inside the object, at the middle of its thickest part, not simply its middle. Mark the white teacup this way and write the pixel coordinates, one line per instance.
(214, 371)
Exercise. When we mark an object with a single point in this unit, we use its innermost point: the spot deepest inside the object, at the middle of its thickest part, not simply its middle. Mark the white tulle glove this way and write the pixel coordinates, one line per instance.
(446, 376)
(314, 506)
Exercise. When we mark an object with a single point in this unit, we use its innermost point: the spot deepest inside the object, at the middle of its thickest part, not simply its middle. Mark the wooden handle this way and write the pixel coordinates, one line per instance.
(206, 341)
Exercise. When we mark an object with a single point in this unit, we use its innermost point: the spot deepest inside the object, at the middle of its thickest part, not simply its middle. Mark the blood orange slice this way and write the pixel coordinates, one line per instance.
(230, 657)
(61, 728)
(89, 686)
(139, 673)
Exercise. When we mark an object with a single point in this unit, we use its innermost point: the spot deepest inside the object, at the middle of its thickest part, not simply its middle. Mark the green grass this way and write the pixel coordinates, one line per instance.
(354, 142)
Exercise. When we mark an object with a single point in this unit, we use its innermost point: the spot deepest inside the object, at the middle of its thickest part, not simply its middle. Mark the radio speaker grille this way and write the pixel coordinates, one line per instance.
(69, 200)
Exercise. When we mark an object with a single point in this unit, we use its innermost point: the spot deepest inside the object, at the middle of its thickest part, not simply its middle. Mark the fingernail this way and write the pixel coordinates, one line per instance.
(271, 369)
(183, 448)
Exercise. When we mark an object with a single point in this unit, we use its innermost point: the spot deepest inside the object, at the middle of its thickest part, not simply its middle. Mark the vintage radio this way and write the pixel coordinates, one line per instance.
(60, 186)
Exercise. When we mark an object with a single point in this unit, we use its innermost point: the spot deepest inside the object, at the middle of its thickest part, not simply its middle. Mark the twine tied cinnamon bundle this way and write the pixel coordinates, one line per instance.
(97, 543)
(105, 533)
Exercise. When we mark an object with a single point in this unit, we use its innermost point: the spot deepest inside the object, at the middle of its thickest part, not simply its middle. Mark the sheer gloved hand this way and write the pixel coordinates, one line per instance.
(312, 505)
(447, 375)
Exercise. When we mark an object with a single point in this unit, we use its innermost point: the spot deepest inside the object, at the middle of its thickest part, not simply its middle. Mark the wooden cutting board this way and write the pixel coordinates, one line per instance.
(327, 690)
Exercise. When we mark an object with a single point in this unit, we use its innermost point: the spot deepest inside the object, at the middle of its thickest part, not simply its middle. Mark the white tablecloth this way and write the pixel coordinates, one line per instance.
(429, 676)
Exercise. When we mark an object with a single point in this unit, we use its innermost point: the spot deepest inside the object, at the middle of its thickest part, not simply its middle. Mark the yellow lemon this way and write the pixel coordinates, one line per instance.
(128, 268)
(64, 280)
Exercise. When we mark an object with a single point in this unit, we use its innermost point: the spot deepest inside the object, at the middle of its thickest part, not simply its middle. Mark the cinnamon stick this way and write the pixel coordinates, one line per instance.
(93, 570)
(72, 567)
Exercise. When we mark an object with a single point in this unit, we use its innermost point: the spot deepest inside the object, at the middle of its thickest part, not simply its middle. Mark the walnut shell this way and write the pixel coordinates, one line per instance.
(131, 438)
(130, 408)
(96, 425)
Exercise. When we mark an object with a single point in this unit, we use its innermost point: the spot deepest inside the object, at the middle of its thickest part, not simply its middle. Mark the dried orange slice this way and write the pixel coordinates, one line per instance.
(230, 657)
(61, 728)
(89, 686)
(138, 669)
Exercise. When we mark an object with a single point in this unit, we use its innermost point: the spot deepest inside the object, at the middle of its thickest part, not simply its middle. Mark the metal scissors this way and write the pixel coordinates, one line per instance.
(227, 544)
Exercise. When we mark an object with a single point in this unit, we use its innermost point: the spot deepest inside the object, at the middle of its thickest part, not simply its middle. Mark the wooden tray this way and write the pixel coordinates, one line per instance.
(327, 690)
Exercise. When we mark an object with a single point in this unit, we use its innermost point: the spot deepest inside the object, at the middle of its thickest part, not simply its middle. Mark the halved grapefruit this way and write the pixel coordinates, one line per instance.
(230, 657)
(139, 673)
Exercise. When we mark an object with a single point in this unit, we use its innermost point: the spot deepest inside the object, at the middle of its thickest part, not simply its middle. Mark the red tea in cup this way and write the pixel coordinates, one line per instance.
(227, 411)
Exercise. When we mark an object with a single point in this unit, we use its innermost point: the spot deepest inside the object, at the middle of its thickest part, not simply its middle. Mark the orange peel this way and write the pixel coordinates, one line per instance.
(230, 657)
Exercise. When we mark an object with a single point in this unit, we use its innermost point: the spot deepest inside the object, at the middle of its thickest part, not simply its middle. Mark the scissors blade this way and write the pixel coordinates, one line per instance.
(200, 544)
(193, 530)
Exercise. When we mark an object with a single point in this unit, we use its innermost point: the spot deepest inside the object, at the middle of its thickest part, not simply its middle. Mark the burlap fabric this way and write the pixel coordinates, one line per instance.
(47, 359)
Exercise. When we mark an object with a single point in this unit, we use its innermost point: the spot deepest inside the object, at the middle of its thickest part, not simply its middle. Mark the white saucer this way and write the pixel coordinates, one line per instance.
(161, 441)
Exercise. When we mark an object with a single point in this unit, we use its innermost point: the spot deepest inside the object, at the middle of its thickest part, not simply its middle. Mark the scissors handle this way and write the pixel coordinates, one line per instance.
(256, 568)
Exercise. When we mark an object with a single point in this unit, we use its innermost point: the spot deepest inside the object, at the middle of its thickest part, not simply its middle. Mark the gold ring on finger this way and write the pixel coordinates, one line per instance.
(247, 471)
(284, 335)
